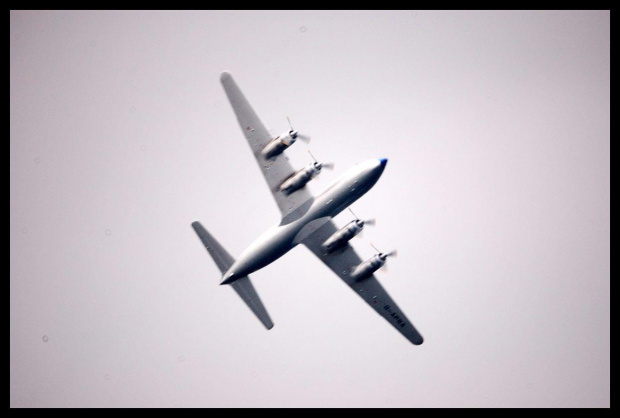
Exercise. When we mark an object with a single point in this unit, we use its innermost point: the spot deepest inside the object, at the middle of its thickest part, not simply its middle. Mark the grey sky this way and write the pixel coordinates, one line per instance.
(496, 194)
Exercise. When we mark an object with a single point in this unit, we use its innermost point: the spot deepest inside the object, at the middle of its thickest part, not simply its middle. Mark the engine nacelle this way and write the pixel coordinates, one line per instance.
(342, 236)
(279, 144)
(368, 267)
(300, 179)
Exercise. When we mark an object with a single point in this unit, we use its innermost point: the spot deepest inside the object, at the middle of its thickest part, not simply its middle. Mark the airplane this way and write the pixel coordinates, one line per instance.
(306, 220)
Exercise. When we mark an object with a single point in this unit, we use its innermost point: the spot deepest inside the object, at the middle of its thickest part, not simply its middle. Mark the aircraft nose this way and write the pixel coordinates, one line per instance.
(383, 161)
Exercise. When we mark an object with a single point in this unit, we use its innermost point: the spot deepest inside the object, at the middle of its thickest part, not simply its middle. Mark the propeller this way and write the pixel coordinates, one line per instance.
(370, 222)
(320, 166)
(295, 134)
(392, 253)
(383, 256)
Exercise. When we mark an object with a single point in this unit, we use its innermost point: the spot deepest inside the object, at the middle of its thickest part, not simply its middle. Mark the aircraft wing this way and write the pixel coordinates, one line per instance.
(341, 262)
(276, 169)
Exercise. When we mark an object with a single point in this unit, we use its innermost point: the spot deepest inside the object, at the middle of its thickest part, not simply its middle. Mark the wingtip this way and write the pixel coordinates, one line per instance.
(225, 76)
(418, 341)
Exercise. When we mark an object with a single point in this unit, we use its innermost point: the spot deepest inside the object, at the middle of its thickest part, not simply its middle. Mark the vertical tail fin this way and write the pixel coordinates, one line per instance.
(243, 286)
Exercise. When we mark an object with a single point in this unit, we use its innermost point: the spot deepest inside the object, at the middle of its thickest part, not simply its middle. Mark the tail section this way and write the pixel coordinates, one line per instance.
(243, 286)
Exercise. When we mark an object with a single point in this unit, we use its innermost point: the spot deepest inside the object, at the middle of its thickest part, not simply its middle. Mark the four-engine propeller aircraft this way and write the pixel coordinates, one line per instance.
(305, 220)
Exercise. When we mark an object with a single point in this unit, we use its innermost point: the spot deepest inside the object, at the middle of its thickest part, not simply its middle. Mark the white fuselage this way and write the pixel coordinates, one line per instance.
(281, 238)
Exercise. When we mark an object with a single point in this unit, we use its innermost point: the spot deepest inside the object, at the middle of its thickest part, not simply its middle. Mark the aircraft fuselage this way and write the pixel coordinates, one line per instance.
(281, 238)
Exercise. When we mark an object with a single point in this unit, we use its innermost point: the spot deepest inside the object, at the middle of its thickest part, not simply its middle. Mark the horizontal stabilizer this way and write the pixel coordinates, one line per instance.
(243, 286)
(245, 290)
(217, 252)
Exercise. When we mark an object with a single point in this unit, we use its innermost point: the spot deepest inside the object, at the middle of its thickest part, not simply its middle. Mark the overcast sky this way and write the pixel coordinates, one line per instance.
(496, 195)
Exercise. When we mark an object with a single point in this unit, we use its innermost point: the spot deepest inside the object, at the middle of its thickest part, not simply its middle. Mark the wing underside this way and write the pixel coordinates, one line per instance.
(341, 262)
(276, 169)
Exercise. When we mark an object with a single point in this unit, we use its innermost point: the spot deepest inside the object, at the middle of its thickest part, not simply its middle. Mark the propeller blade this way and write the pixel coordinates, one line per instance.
(392, 253)
(370, 222)
(304, 138)
(289, 123)
(351, 210)
(329, 166)
(311, 155)
(384, 268)
(360, 234)
(375, 248)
